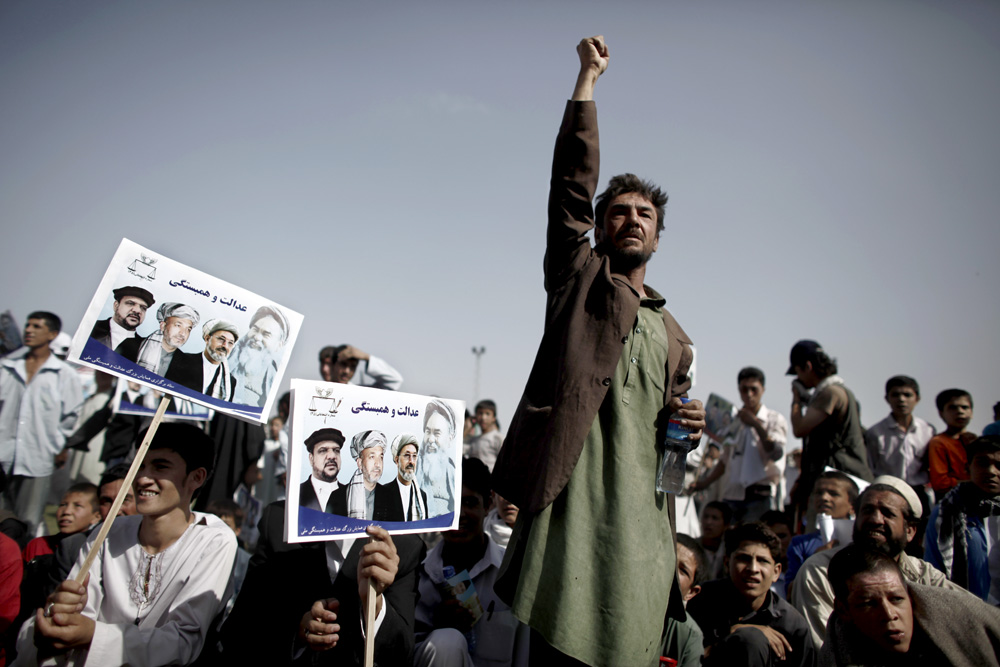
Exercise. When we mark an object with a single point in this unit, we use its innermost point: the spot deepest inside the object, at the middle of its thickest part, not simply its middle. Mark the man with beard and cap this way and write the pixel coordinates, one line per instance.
(368, 450)
(887, 517)
(435, 471)
(220, 336)
(257, 355)
(161, 352)
(320, 490)
(403, 499)
(127, 314)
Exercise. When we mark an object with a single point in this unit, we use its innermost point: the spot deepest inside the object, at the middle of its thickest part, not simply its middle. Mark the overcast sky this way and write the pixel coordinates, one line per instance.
(382, 168)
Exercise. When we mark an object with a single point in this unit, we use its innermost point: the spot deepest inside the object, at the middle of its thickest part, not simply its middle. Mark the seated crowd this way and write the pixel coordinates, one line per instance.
(884, 559)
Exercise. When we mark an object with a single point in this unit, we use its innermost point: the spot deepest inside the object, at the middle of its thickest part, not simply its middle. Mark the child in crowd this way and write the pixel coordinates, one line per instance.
(835, 494)
(966, 523)
(743, 622)
(684, 641)
(78, 510)
(946, 451)
(715, 519)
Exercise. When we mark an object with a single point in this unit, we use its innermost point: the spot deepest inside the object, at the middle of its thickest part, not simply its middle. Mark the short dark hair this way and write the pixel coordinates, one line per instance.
(624, 184)
(51, 320)
(727, 511)
(189, 442)
(223, 507)
(88, 489)
(324, 435)
(902, 381)
(908, 514)
(774, 517)
(700, 559)
(853, 560)
(114, 473)
(986, 444)
(476, 477)
(751, 373)
(487, 404)
(949, 395)
(757, 533)
(852, 486)
(331, 352)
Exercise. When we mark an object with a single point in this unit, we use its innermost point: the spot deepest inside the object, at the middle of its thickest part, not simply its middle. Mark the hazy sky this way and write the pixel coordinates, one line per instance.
(382, 168)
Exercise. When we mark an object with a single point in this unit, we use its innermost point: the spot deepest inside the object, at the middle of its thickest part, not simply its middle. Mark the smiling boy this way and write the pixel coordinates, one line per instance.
(160, 576)
(744, 623)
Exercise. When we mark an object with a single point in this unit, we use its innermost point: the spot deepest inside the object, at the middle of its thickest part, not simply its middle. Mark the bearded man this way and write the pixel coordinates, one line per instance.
(257, 355)
(402, 499)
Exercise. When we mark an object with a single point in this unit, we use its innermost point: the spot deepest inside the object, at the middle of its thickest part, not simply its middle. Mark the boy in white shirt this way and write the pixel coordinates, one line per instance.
(159, 580)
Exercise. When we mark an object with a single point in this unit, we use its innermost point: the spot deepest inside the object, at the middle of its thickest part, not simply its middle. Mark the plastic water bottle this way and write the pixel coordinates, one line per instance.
(470, 636)
(676, 446)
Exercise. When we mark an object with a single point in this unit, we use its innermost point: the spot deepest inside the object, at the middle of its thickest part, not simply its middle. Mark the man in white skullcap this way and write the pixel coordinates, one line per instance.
(220, 336)
(402, 499)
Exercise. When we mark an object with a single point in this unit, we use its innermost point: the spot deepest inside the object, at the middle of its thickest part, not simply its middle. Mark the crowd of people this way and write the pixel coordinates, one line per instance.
(866, 546)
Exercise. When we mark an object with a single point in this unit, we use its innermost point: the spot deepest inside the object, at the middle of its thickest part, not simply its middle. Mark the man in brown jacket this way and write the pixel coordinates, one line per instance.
(591, 559)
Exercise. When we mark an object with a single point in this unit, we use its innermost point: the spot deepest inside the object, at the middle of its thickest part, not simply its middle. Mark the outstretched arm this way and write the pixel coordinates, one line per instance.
(594, 57)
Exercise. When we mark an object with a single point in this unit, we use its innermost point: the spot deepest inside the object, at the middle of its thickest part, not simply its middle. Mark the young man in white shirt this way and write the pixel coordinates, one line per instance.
(160, 578)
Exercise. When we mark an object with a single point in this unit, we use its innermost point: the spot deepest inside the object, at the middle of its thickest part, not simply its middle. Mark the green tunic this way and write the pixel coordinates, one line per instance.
(599, 561)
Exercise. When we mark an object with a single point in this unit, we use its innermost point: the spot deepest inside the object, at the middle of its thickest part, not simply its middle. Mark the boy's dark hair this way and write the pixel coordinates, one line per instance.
(88, 489)
(476, 476)
(852, 487)
(624, 184)
(51, 320)
(189, 442)
(751, 373)
(727, 511)
(986, 444)
(852, 560)
(700, 559)
(114, 473)
(223, 507)
(757, 533)
(487, 404)
(949, 395)
(902, 381)
(775, 517)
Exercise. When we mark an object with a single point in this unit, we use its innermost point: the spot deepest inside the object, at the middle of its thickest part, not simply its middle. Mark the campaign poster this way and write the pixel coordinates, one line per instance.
(719, 415)
(360, 456)
(180, 331)
(132, 398)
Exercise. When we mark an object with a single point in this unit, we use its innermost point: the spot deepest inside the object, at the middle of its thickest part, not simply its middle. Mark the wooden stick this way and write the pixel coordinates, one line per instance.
(124, 490)
(370, 621)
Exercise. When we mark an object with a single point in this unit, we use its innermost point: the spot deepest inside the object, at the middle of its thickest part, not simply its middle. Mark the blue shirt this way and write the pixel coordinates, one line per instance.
(800, 548)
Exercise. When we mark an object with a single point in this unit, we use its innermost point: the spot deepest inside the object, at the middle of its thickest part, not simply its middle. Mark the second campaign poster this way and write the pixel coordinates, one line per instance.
(359, 456)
